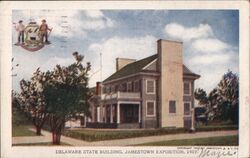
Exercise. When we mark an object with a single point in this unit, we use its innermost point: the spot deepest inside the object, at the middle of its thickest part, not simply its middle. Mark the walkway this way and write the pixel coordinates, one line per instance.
(122, 142)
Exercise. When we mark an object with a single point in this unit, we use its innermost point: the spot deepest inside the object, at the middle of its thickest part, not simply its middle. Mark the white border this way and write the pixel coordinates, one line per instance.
(5, 40)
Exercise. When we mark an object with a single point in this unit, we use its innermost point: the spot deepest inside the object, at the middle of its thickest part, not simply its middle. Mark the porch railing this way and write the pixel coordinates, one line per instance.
(121, 95)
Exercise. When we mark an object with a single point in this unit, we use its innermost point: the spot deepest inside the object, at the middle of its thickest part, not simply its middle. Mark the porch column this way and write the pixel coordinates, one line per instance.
(139, 115)
(104, 113)
(111, 113)
(118, 112)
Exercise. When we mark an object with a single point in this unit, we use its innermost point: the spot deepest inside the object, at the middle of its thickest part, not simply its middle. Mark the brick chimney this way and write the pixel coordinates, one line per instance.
(121, 62)
(98, 88)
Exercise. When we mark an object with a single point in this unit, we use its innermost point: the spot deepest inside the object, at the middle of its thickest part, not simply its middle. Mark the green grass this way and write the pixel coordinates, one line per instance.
(21, 125)
(211, 141)
(22, 130)
(42, 144)
(216, 127)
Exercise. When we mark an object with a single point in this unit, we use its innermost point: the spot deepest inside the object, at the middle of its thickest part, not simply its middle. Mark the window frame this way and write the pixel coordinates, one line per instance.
(138, 84)
(189, 91)
(170, 108)
(186, 102)
(153, 86)
(154, 108)
(130, 83)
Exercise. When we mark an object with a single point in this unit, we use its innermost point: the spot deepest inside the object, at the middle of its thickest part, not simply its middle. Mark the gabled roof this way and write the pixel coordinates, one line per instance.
(132, 68)
(138, 66)
(188, 72)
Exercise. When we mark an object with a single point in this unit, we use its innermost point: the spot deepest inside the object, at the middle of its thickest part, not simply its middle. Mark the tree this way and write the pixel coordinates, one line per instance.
(31, 99)
(223, 101)
(228, 97)
(208, 101)
(66, 94)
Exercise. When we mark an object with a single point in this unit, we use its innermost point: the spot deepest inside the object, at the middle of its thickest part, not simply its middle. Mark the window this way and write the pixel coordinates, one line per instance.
(104, 90)
(124, 87)
(130, 88)
(172, 106)
(187, 108)
(187, 88)
(136, 86)
(109, 89)
(116, 88)
(150, 85)
(150, 110)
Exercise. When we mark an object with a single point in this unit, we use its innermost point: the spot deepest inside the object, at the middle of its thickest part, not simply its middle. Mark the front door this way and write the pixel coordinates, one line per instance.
(129, 113)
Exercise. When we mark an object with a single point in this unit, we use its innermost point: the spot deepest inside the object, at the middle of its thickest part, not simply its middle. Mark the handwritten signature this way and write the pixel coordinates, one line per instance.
(216, 153)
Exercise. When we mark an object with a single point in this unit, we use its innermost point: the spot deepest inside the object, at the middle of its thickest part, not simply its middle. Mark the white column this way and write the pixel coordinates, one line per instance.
(85, 121)
(192, 116)
(103, 113)
(98, 114)
(111, 113)
(118, 112)
(139, 115)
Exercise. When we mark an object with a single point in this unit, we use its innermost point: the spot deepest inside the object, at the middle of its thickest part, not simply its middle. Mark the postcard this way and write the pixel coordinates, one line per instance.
(122, 78)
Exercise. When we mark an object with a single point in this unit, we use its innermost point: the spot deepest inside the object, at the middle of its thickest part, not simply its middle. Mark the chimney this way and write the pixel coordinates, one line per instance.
(98, 88)
(121, 62)
(170, 81)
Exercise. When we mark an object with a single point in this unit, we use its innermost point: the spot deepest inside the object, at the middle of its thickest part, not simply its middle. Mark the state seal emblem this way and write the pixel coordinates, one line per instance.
(32, 36)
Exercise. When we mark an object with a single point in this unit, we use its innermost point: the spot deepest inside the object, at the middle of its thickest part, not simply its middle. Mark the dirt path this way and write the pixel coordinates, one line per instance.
(122, 142)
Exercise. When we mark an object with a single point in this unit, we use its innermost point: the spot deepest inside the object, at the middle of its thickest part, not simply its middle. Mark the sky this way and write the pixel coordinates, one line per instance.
(210, 40)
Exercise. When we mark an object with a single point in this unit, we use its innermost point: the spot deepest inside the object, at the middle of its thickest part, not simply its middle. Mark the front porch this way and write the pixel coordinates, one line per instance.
(117, 115)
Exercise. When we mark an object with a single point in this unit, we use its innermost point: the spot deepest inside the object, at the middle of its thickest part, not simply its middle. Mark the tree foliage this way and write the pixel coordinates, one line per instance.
(228, 97)
(223, 101)
(31, 99)
(56, 96)
(66, 94)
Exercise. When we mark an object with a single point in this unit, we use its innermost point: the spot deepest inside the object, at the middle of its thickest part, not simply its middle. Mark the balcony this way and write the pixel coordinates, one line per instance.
(121, 95)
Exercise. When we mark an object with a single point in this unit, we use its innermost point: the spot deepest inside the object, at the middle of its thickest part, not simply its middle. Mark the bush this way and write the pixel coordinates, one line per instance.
(217, 128)
(99, 135)
(95, 135)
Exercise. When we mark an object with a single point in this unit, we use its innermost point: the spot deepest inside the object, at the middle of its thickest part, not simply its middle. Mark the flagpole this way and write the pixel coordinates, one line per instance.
(101, 72)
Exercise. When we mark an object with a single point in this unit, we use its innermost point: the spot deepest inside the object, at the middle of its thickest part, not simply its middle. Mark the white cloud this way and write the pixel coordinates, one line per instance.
(94, 13)
(209, 45)
(179, 32)
(134, 48)
(68, 23)
(210, 59)
(204, 53)
(97, 24)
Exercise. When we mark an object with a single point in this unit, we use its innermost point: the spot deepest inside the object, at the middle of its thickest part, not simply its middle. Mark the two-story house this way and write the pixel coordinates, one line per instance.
(154, 92)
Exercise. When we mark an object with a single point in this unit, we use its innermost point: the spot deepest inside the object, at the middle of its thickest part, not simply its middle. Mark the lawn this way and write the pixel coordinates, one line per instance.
(22, 130)
(211, 141)
(21, 125)
(201, 128)
(42, 144)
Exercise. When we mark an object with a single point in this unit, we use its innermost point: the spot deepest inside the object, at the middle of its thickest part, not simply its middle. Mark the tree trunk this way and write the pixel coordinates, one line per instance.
(56, 138)
(38, 130)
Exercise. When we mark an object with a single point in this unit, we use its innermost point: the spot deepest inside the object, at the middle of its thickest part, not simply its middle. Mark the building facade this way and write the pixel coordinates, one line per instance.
(154, 92)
